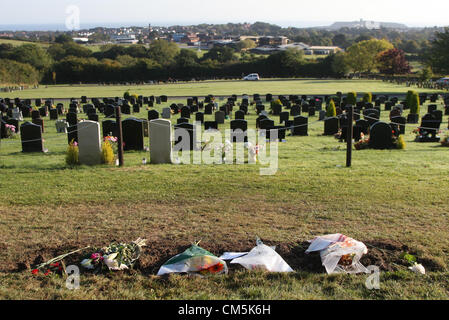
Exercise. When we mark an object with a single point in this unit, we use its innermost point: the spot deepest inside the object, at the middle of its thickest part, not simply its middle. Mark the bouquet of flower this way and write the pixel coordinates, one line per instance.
(253, 151)
(10, 130)
(217, 147)
(116, 256)
(55, 265)
(445, 141)
(363, 143)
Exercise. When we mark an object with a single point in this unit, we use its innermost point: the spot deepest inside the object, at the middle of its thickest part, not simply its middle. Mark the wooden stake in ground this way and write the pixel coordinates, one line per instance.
(118, 119)
(349, 135)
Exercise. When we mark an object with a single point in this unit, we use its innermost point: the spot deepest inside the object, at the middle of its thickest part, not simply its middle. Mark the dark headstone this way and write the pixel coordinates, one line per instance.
(133, 134)
(381, 136)
(300, 126)
(331, 126)
(31, 136)
(109, 128)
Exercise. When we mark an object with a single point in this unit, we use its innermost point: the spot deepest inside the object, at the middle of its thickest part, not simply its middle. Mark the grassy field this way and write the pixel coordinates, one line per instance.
(395, 201)
(17, 43)
(274, 86)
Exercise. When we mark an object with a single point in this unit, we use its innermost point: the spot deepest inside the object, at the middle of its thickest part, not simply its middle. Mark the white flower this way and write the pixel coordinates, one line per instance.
(418, 268)
(87, 263)
(113, 264)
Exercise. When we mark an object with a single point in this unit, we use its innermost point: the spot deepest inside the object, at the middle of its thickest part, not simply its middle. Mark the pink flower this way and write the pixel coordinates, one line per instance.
(95, 256)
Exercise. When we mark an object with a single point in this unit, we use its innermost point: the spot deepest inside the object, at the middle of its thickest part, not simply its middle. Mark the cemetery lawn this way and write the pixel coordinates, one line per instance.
(274, 86)
(394, 201)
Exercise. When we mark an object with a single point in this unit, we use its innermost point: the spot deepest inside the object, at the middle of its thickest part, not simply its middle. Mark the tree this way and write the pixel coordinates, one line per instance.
(245, 44)
(367, 97)
(331, 111)
(60, 51)
(339, 65)
(351, 98)
(221, 54)
(426, 74)
(163, 52)
(13, 72)
(393, 61)
(186, 59)
(33, 55)
(340, 40)
(361, 56)
(437, 56)
(414, 103)
(63, 38)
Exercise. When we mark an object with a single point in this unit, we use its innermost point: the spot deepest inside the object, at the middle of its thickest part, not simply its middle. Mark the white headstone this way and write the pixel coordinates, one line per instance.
(160, 141)
(61, 126)
(89, 142)
(166, 113)
(17, 114)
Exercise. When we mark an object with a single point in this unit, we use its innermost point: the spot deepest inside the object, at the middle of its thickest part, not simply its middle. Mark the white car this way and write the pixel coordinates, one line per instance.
(252, 77)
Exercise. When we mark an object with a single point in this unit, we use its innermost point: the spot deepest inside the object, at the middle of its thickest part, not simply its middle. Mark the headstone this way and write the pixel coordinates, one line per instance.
(153, 115)
(363, 124)
(220, 117)
(160, 141)
(210, 125)
(300, 126)
(283, 116)
(89, 142)
(133, 134)
(39, 122)
(72, 133)
(295, 111)
(166, 113)
(35, 114)
(71, 118)
(400, 122)
(93, 117)
(31, 136)
(109, 128)
(185, 112)
(53, 114)
(185, 131)
(208, 108)
(331, 126)
(238, 130)
(199, 116)
(380, 136)
(182, 120)
(61, 126)
(239, 115)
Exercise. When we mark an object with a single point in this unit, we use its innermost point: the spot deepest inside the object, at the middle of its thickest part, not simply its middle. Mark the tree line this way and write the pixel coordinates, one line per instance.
(68, 62)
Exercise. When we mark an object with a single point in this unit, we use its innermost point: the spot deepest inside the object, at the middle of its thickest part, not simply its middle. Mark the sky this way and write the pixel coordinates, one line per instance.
(297, 13)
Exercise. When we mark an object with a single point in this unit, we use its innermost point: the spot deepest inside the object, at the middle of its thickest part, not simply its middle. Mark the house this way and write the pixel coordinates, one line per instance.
(273, 41)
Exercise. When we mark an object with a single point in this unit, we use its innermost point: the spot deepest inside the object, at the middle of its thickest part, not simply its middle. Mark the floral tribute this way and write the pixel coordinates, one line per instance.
(115, 257)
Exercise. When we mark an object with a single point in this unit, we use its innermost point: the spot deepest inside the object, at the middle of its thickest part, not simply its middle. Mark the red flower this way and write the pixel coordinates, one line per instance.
(35, 271)
(47, 273)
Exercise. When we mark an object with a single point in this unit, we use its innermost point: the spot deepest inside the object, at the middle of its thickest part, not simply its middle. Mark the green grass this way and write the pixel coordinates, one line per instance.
(17, 43)
(274, 86)
(397, 196)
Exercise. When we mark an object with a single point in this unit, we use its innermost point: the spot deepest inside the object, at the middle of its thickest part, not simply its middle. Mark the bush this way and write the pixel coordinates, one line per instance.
(400, 143)
(276, 103)
(368, 97)
(107, 153)
(414, 103)
(331, 111)
(126, 95)
(408, 98)
(351, 98)
(71, 157)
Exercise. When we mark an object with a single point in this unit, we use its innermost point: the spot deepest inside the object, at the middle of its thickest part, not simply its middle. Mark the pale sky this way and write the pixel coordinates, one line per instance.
(281, 12)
